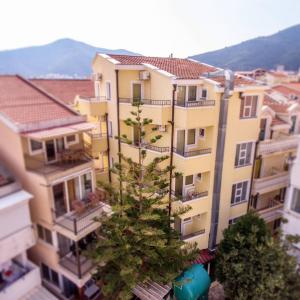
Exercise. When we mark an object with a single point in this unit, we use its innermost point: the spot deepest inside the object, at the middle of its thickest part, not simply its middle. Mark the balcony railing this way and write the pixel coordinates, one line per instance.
(270, 204)
(191, 196)
(269, 183)
(146, 101)
(198, 103)
(191, 153)
(157, 148)
(65, 160)
(192, 235)
(76, 222)
(97, 135)
(77, 265)
(278, 145)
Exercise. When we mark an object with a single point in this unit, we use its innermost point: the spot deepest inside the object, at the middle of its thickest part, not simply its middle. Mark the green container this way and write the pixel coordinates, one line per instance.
(193, 284)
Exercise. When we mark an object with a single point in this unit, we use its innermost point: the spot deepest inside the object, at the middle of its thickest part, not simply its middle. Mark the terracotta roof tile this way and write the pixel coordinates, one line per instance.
(275, 105)
(287, 90)
(66, 89)
(23, 103)
(277, 121)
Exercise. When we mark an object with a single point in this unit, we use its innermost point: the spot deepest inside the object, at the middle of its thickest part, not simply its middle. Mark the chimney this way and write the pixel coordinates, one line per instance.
(171, 55)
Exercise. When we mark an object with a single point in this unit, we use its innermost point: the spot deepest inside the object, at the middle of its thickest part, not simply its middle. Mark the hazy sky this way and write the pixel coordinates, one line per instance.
(150, 27)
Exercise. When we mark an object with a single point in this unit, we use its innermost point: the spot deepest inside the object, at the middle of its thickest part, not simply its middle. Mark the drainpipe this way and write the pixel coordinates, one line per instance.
(252, 177)
(108, 148)
(119, 132)
(171, 150)
(228, 88)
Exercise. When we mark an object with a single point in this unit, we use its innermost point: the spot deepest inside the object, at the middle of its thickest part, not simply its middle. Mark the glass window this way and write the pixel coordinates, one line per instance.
(248, 107)
(296, 201)
(202, 133)
(108, 90)
(44, 234)
(35, 145)
(181, 93)
(293, 127)
(50, 275)
(239, 192)
(191, 137)
(137, 91)
(71, 138)
(243, 154)
(189, 179)
(86, 184)
(233, 221)
(204, 94)
(192, 93)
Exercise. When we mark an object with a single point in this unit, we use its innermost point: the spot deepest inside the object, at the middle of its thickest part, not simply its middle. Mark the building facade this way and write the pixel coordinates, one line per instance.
(185, 101)
(44, 147)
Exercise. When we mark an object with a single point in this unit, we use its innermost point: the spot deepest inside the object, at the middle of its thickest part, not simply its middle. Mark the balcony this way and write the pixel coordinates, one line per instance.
(270, 183)
(270, 210)
(192, 235)
(19, 280)
(202, 113)
(191, 153)
(96, 142)
(91, 106)
(190, 196)
(80, 222)
(283, 144)
(65, 160)
(159, 111)
(158, 149)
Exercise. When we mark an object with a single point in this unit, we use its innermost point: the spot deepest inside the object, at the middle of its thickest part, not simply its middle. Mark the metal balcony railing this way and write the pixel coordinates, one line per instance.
(192, 196)
(270, 204)
(76, 222)
(145, 101)
(198, 103)
(192, 235)
(157, 148)
(191, 153)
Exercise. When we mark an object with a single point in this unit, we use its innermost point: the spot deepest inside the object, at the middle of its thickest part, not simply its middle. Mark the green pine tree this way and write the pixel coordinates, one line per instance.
(251, 264)
(138, 242)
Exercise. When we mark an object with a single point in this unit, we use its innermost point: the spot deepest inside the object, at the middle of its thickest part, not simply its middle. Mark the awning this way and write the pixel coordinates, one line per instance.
(60, 131)
(204, 257)
(151, 291)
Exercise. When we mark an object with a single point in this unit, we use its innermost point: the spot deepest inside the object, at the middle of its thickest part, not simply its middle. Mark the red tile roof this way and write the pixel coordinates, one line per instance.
(293, 85)
(278, 74)
(287, 90)
(66, 89)
(182, 68)
(23, 103)
(276, 106)
(277, 121)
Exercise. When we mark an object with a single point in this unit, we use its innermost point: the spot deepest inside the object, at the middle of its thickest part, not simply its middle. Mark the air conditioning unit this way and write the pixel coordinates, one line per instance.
(97, 77)
(144, 75)
(162, 128)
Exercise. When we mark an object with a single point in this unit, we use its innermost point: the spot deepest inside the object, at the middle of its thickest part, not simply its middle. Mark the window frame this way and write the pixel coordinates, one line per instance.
(187, 134)
(252, 109)
(43, 234)
(294, 200)
(108, 90)
(202, 136)
(235, 188)
(239, 157)
(38, 151)
(76, 141)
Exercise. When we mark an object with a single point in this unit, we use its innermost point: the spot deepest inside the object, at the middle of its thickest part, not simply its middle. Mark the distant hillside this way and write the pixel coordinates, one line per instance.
(281, 48)
(62, 58)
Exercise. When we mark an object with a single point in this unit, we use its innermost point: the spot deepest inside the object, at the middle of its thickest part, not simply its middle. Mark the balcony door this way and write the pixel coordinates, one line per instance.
(181, 93)
(136, 92)
(178, 185)
(73, 191)
(180, 141)
(51, 151)
(59, 199)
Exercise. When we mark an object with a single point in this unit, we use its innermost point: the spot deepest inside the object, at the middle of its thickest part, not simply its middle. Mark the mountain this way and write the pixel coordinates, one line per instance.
(282, 48)
(62, 58)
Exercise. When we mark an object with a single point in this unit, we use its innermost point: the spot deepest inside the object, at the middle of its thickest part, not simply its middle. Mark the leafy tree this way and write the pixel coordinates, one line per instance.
(138, 242)
(251, 264)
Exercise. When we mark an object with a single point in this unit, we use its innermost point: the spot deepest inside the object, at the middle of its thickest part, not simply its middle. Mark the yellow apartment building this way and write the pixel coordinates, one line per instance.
(42, 144)
(209, 121)
(276, 148)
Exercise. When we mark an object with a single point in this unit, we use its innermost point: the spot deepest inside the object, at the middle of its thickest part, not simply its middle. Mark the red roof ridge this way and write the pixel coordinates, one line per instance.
(45, 93)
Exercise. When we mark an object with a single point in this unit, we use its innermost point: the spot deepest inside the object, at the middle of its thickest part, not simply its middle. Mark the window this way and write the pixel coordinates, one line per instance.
(192, 93)
(86, 184)
(293, 126)
(189, 179)
(97, 89)
(72, 139)
(44, 234)
(181, 93)
(296, 201)
(36, 147)
(191, 137)
(204, 94)
(243, 154)
(202, 133)
(239, 192)
(199, 176)
(263, 125)
(50, 275)
(110, 131)
(248, 107)
(108, 90)
(233, 221)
